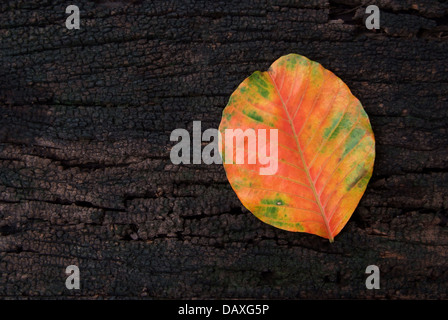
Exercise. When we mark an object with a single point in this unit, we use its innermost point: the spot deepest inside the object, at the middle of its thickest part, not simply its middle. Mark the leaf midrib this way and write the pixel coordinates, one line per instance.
(310, 181)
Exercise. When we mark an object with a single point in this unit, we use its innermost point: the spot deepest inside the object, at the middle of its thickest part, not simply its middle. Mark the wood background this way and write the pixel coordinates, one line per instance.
(85, 173)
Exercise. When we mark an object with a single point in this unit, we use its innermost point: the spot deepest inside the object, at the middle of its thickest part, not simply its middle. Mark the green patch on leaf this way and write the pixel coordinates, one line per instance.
(254, 115)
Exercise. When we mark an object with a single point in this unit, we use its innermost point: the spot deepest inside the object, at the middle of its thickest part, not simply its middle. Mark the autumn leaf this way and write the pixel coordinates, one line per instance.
(326, 147)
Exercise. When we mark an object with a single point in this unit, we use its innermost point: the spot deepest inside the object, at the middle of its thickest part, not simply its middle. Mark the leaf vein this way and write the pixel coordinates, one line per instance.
(323, 119)
(339, 163)
(281, 192)
(286, 206)
(312, 186)
(324, 143)
(304, 92)
(277, 176)
(340, 181)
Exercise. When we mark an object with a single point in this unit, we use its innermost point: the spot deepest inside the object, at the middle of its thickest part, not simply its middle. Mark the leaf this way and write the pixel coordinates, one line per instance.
(326, 147)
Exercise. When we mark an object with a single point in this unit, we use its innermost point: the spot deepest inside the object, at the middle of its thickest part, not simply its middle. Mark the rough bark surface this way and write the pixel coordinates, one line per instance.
(86, 178)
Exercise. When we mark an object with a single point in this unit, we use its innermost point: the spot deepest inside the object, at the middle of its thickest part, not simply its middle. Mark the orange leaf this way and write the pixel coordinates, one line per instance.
(326, 147)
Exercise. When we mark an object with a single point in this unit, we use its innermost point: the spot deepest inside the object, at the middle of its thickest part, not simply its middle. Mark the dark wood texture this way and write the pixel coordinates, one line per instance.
(85, 173)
